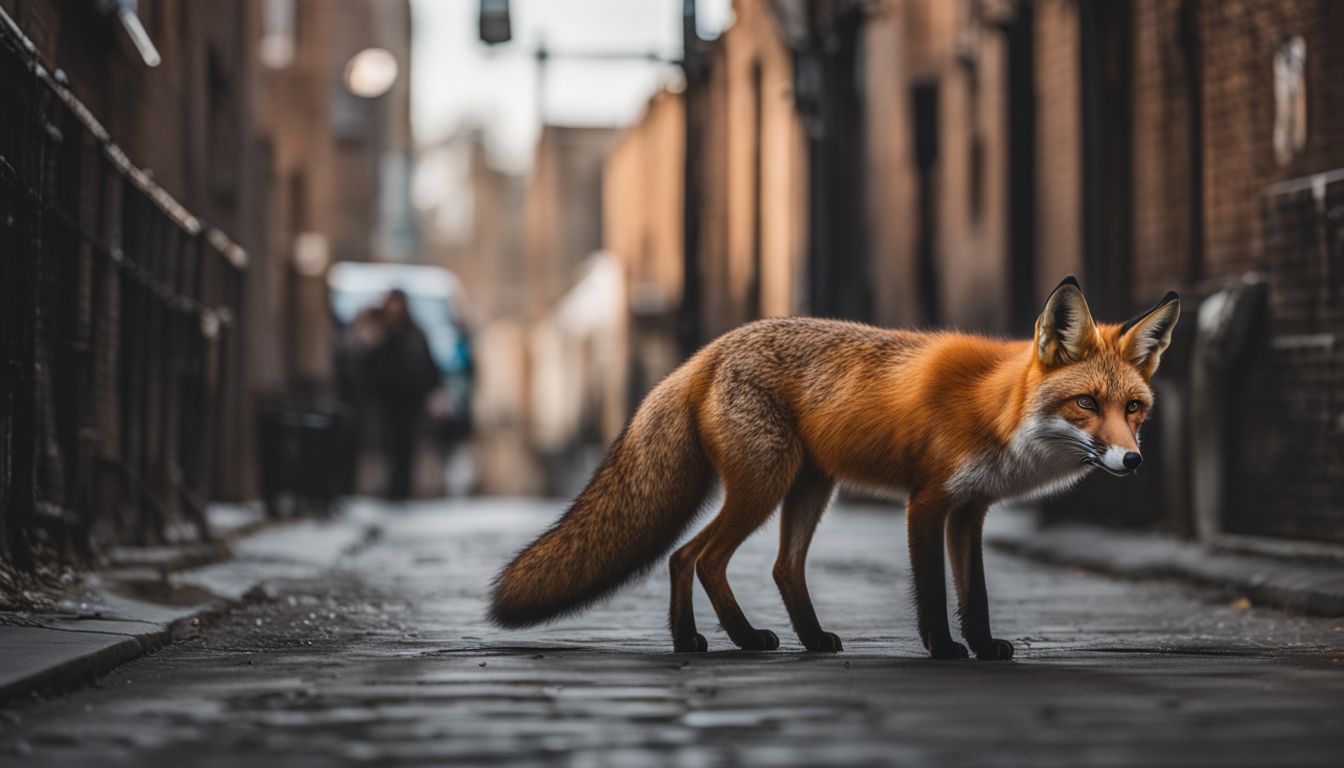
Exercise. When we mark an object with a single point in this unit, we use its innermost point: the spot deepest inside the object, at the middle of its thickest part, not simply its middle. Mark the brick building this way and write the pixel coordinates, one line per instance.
(750, 196)
(240, 142)
(337, 167)
(473, 219)
(643, 189)
(1001, 145)
(528, 251)
(185, 122)
(563, 209)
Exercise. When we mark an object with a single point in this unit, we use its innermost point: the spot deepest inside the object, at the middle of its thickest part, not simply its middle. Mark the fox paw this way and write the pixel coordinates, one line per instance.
(759, 640)
(949, 650)
(826, 642)
(694, 644)
(994, 650)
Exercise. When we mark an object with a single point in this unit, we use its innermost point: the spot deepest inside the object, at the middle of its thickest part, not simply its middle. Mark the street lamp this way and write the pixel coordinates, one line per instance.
(371, 72)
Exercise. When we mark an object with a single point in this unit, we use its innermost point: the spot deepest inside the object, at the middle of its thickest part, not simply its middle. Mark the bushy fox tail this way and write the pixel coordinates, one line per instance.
(649, 487)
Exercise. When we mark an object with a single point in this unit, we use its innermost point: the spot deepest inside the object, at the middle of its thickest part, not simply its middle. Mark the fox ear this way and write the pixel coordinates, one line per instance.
(1065, 332)
(1146, 337)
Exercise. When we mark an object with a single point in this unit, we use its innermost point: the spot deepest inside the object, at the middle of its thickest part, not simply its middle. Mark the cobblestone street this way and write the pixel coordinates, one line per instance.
(387, 660)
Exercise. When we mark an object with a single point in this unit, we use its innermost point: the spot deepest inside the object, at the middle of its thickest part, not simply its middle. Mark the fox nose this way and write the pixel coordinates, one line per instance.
(1132, 460)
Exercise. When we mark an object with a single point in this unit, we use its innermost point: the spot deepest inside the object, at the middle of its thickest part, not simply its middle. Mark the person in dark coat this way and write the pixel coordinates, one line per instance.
(401, 375)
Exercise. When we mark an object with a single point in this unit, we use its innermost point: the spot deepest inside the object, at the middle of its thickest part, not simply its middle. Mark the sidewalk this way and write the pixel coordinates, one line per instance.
(148, 597)
(1306, 586)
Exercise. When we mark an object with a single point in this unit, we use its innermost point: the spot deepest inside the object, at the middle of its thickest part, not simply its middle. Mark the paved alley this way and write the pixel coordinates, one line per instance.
(386, 660)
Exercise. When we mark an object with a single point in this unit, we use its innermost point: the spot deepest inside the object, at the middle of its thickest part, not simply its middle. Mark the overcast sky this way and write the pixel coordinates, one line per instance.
(458, 79)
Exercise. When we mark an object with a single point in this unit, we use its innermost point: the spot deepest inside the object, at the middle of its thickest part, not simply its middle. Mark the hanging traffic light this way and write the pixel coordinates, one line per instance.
(495, 26)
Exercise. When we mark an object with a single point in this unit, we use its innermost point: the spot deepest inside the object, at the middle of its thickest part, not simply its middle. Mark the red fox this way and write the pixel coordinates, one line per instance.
(781, 410)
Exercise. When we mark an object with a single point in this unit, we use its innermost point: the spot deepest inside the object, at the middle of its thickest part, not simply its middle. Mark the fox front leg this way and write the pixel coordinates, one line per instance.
(925, 521)
(964, 531)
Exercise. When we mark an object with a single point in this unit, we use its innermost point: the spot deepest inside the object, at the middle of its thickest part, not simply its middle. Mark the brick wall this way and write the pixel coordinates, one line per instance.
(643, 200)
(1239, 38)
(753, 228)
(1059, 144)
(1162, 180)
(891, 182)
(1286, 479)
(563, 209)
(1288, 446)
(766, 218)
(248, 149)
(163, 118)
(187, 122)
(972, 162)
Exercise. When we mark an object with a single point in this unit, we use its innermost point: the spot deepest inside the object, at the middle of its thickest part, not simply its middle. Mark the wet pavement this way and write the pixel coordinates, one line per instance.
(385, 659)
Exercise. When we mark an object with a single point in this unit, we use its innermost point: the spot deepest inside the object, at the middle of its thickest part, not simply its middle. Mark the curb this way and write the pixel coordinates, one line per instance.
(67, 658)
(1302, 586)
(103, 627)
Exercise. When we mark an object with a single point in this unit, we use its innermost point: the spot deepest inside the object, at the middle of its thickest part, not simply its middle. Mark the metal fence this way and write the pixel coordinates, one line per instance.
(118, 333)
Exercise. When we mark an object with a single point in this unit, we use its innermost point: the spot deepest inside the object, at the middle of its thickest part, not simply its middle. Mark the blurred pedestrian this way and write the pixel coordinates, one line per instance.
(401, 374)
(354, 392)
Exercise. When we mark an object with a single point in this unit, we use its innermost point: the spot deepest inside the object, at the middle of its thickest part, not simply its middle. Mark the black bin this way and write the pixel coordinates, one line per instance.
(299, 451)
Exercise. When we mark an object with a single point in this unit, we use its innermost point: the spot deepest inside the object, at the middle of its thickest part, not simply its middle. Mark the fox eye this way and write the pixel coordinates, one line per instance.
(1087, 403)
(1133, 406)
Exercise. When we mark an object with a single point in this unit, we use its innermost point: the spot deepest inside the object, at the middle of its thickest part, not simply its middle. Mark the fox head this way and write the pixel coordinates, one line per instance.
(1091, 393)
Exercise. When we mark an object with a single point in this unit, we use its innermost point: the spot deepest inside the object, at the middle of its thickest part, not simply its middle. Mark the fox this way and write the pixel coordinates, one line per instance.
(779, 411)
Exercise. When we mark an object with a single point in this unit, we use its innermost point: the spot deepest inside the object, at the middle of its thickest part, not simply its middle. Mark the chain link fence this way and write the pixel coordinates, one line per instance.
(119, 338)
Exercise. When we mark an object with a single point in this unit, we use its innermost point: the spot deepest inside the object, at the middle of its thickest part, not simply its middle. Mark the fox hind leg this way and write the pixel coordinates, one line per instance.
(738, 520)
(750, 497)
(803, 506)
(681, 614)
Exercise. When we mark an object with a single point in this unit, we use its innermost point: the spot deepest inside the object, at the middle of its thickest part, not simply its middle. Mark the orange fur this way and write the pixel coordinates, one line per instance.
(780, 410)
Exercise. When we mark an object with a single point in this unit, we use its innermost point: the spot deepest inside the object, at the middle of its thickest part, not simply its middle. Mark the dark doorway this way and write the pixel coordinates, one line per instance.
(1106, 66)
(924, 115)
(1020, 53)
(829, 93)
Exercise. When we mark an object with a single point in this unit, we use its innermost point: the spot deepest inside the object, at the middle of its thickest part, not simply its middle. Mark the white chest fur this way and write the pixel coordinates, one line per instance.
(1045, 455)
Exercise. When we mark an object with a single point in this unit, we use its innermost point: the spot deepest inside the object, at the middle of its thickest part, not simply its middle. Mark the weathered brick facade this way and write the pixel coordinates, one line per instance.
(1059, 138)
(1130, 143)
(264, 153)
(1163, 79)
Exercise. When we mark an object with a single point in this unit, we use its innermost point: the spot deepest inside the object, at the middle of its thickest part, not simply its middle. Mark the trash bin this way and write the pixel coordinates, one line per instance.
(299, 451)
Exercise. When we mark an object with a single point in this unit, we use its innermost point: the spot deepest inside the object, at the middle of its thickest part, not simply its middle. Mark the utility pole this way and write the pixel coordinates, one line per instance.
(496, 27)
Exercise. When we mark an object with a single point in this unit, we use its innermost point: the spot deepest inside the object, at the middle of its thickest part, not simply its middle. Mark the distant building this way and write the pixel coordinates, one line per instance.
(751, 248)
(564, 209)
(643, 228)
(473, 220)
(339, 176)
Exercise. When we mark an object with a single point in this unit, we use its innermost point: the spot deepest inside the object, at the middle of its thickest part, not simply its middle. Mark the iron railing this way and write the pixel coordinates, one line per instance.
(118, 333)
